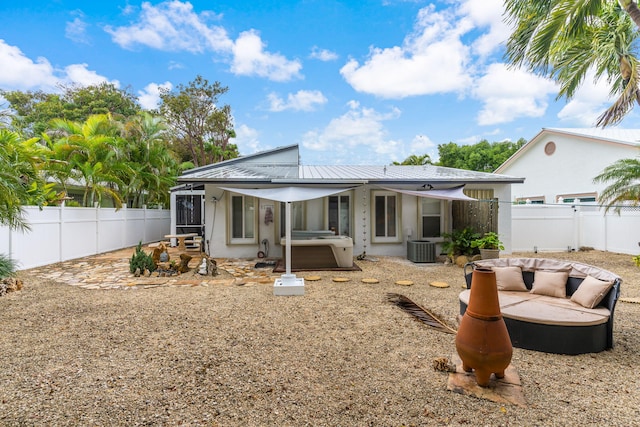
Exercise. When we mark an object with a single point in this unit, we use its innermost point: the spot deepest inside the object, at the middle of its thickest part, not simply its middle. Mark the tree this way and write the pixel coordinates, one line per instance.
(566, 40)
(624, 176)
(20, 182)
(197, 121)
(92, 152)
(415, 160)
(154, 165)
(482, 156)
(32, 111)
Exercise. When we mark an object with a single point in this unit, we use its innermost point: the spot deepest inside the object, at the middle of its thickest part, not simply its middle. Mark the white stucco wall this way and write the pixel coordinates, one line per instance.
(216, 227)
(569, 170)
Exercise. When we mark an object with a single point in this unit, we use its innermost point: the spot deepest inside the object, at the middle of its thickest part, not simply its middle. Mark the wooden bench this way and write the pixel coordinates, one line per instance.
(552, 324)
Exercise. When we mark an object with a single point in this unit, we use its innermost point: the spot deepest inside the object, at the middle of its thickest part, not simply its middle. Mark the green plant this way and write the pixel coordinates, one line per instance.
(8, 267)
(459, 242)
(490, 240)
(636, 259)
(141, 261)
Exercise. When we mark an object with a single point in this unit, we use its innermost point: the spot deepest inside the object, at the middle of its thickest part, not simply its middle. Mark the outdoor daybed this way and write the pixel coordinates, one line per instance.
(553, 306)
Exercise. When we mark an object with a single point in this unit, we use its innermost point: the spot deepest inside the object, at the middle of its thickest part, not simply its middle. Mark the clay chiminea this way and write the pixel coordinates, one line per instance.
(483, 341)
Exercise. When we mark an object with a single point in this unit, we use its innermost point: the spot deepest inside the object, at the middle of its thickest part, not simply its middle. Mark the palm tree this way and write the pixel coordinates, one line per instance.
(19, 178)
(566, 40)
(154, 166)
(92, 151)
(415, 160)
(625, 178)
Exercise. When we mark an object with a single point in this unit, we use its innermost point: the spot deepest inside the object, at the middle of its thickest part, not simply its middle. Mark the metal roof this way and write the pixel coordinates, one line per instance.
(278, 167)
(256, 173)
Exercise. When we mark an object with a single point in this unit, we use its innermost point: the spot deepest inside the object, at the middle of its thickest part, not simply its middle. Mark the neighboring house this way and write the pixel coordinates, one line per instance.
(559, 164)
(379, 207)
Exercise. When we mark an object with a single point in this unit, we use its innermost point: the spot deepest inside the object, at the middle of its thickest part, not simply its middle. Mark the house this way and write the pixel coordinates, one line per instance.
(560, 164)
(242, 203)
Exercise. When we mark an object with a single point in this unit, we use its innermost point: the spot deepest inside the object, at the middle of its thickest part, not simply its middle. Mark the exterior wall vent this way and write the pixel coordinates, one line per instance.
(421, 251)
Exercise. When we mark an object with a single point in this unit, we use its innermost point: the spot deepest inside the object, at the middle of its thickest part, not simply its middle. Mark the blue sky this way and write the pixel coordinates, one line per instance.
(352, 82)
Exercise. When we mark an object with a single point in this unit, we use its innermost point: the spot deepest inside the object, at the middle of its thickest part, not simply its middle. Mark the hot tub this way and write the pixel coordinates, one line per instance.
(321, 252)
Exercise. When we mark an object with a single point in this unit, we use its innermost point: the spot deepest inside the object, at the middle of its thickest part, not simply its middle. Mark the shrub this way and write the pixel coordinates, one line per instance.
(459, 242)
(8, 267)
(141, 260)
(490, 240)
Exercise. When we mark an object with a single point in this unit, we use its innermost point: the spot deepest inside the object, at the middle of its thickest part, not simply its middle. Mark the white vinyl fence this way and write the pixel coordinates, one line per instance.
(62, 233)
(570, 227)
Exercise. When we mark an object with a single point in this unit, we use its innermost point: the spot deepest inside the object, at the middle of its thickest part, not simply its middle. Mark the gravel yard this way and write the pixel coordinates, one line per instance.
(235, 355)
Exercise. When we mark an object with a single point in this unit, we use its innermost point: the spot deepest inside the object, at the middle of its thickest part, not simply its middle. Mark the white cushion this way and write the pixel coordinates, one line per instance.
(591, 291)
(509, 279)
(551, 283)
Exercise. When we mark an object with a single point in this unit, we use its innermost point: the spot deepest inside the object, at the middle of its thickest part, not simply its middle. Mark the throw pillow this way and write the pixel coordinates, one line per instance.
(591, 291)
(509, 279)
(551, 283)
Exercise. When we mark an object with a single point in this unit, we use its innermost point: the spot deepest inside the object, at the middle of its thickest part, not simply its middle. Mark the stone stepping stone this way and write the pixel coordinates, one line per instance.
(404, 282)
(439, 284)
(313, 278)
(370, 280)
(340, 279)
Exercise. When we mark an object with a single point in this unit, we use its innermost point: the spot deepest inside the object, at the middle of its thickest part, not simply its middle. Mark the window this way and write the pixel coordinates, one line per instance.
(532, 200)
(577, 198)
(386, 217)
(430, 218)
(339, 214)
(297, 217)
(243, 219)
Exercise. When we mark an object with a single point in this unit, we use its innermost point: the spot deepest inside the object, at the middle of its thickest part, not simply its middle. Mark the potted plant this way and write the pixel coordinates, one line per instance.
(489, 245)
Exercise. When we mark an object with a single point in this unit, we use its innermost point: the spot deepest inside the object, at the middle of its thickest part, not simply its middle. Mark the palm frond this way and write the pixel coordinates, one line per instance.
(627, 99)
(420, 313)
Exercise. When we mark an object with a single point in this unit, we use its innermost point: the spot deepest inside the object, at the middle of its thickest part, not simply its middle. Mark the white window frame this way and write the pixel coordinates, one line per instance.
(398, 214)
(348, 194)
(242, 240)
(298, 210)
(440, 215)
(531, 200)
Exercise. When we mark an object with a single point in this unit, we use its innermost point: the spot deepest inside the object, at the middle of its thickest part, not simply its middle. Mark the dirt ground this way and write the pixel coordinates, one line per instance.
(230, 353)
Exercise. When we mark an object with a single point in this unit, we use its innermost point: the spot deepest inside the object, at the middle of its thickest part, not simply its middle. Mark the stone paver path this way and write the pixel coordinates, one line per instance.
(111, 271)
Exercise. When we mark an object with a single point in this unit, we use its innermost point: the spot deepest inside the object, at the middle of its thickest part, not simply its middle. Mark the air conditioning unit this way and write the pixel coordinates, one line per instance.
(421, 251)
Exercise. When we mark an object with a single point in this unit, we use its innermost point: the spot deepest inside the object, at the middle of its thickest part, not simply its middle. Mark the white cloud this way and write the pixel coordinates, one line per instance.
(79, 74)
(421, 144)
(359, 129)
(510, 94)
(149, 97)
(21, 73)
(247, 140)
(250, 59)
(303, 100)
(588, 103)
(174, 26)
(76, 30)
(486, 14)
(431, 60)
(323, 54)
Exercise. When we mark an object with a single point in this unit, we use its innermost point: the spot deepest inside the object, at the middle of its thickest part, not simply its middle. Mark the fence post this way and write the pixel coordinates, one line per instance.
(144, 221)
(61, 229)
(576, 224)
